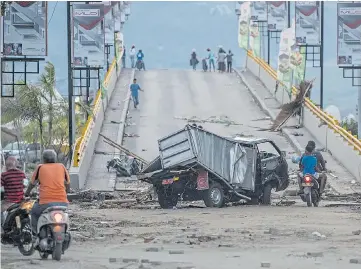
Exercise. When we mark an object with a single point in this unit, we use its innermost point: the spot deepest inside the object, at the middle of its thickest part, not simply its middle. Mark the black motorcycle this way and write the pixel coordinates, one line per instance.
(17, 227)
(311, 190)
(140, 64)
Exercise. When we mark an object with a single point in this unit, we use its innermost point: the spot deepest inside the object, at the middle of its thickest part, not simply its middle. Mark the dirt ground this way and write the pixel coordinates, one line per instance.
(206, 238)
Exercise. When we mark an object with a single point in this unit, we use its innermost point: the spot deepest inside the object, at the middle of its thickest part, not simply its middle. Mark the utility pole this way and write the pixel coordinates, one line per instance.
(359, 106)
(321, 55)
(71, 112)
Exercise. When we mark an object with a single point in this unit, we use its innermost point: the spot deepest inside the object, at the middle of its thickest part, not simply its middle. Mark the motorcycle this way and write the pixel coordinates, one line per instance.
(311, 190)
(53, 232)
(140, 64)
(17, 227)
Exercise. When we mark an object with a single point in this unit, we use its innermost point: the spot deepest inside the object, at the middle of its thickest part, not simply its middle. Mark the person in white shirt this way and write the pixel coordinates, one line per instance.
(132, 56)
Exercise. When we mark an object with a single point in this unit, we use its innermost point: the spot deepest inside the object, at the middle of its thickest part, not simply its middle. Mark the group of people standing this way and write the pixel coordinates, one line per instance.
(134, 55)
(224, 60)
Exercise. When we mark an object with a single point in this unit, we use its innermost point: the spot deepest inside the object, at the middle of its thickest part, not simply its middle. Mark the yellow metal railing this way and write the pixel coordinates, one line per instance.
(81, 142)
(322, 115)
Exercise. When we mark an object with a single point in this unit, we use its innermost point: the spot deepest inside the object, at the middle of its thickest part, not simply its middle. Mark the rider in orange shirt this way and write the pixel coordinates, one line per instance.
(54, 183)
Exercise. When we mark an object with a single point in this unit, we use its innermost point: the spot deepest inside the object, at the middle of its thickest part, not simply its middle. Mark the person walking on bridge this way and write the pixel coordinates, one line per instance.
(134, 89)
(211, 59)
(221, 60)
(132, 56)
(229, 61)
(123, 57)
(194, 61)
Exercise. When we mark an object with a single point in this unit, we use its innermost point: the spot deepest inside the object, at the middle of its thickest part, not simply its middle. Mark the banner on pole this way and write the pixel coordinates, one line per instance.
(349, 34)
(259, 11)
(88, 35)
(109, 22)
(308, 22)
(254, 38)
(284, 69)
(117, 14)
(300, 69)
(25, 29)
(277, 15)
(243, 25)
(118, 44)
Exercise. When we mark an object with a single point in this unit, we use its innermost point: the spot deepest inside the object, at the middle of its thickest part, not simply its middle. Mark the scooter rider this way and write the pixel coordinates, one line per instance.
(321, 166)
(140, 56)
(54, 183)
(308, 165)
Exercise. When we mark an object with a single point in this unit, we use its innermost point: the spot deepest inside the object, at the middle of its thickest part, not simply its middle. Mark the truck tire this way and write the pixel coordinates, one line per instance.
(214, 196)
(167, 201)
(266, 198)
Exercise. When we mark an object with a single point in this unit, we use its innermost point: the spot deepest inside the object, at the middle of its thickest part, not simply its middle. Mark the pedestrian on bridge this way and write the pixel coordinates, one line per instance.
(132, 56)
(229, 61)
(211, 59)
(194, 61)
(221, 60)
(134, 89)
(123, 57)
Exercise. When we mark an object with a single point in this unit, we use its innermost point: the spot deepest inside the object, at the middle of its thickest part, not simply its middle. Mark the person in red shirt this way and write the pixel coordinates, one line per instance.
(13, 183)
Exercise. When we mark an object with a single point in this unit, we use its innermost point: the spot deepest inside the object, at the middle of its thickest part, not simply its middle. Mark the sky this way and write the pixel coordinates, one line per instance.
(168, 31)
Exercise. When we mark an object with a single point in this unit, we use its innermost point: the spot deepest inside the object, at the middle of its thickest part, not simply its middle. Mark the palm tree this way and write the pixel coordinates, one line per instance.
(26, 106)
(47, 83)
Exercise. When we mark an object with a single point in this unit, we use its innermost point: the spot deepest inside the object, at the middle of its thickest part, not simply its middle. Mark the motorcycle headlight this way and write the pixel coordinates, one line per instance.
(27, 206)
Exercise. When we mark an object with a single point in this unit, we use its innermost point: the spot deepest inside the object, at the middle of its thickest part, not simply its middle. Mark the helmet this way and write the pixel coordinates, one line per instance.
(296, 159)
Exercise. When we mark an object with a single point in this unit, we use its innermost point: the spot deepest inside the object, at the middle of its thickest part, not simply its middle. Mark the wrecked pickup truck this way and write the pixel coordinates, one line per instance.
(195, 164)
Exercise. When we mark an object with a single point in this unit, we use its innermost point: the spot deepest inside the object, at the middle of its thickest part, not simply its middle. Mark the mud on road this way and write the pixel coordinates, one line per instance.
(207, 238)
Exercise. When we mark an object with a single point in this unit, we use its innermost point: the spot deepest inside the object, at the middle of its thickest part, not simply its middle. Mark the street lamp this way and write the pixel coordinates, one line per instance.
(127, 11)
(122, 18)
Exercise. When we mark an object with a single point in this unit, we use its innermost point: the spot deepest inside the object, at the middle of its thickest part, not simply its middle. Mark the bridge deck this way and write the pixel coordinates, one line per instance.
(98, 176)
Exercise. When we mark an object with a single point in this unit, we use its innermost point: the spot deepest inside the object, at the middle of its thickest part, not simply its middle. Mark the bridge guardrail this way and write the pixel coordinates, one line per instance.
(81, 142)
(322, 115)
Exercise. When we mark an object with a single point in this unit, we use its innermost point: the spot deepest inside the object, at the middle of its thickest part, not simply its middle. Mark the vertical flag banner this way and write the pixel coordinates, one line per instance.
(277, 15)
(259, 11)
(298, 56)
(300, 70)
(88, 35)
(254, 39)
(349, 34)
(117, 14)
(109, 22)
(308, 22)
(243, 25)
(25, 31)
(284, 70)
(118, 44)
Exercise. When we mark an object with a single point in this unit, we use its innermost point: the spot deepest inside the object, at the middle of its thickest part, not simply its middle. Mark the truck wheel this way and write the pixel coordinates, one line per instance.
(266, 199)
(167, 201)
(214, 196)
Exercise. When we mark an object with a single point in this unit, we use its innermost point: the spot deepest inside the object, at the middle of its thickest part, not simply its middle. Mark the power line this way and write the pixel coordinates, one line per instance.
(52, 14)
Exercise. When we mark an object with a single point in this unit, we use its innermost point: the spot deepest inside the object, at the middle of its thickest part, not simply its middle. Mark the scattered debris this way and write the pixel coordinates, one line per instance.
(318, 235)
(176, 251)
(315, 254)
(213, 119)
(153, 249)
(125, 166)
(130, 135)
(355, 261)
(297, 134)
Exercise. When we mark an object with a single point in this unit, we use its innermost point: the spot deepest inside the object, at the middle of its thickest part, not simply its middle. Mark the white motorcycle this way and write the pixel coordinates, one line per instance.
(53, 232)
